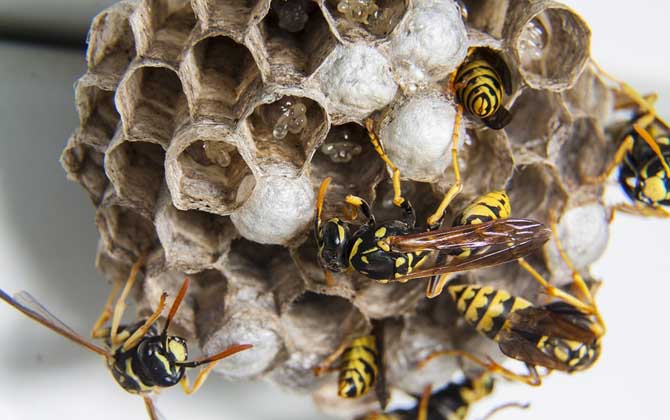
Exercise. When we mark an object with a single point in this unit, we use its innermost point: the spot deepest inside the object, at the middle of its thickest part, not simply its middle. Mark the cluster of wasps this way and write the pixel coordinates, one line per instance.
(563, 335)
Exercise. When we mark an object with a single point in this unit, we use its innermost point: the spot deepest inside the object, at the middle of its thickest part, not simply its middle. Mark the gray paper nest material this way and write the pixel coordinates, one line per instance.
(177, 152)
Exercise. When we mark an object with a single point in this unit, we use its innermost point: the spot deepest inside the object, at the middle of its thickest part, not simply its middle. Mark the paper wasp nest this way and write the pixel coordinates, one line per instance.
(206, 127)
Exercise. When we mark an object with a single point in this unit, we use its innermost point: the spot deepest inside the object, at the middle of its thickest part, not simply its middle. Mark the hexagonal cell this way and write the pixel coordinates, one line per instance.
(152, 104)
(537, 116)
(111, 44)
(293, 55)
(191, 239)
(84, 164)
(534, 189)
(253, 258)
(550, 42)
(162, 27)
(126, 234)
(205, 169)
(486, 15)
(366, 19)
(287, 130)
(315, 326)
(98, 116)
(136, 169)
(233, 15)
(349, 158)
(589, 97)
(378, 301)
(221, 77)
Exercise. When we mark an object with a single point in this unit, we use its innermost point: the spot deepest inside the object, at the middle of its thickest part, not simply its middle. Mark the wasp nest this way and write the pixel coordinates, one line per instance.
(206, 127)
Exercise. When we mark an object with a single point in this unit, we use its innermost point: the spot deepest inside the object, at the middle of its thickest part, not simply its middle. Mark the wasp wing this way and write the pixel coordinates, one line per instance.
(25, 303)
(520, 347)
(490, 243)
(557, 319)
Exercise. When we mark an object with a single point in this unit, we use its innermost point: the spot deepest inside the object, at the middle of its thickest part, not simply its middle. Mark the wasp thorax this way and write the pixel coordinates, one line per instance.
(158, 357)
(333, 241)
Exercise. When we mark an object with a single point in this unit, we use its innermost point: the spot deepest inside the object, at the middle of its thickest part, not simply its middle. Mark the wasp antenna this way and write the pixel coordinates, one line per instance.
(226, 353)
(175, 305)
(322, 194)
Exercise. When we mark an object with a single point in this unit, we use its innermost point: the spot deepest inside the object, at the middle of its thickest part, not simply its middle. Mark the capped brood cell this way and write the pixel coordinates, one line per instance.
(205, 168)
(295, 55)
(152, 103)
(220, 77)
(161, 28)
(111, 44)
(286, 130)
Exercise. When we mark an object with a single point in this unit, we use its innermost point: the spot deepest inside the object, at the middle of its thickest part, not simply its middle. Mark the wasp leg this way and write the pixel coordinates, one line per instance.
(376, 143)
(625, 147)
(423, 403)
(532, 378)
(642, 210)
(436, 284)
(199, 380)
(120, 306)
(326, 365)
(99, 330)
(151, 408)
(361, 204)
(505, 406)
(641, 130)
(436, 218)
(141, 332)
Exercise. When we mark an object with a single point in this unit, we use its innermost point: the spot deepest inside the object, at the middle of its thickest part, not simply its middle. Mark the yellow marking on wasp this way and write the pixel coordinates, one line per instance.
(654, 188)
(354, 249)
(381, 232)
(477, 92)
(480, 300)
(370, 251)
(353, 367)
(400, 261)
(340, 232)
(494, 309)
(129, 371)
(455, 290)
(178, 350)
(365, 259)
(164, 361)
(561, 354)
(384, 246)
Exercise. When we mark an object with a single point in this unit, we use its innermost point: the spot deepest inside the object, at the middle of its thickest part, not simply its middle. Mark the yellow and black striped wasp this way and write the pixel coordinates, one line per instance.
(480, 84)
(642, 156)
(361, 366)
(397, 250)
(453, 402)
(141, 360)
(564, 335)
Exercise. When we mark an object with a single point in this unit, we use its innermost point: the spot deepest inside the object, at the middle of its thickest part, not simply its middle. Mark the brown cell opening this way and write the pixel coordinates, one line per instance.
(112, 44)
(301, 52)
(158, 104)
(137, 169)
(226, 74)
(233, 14)
(380, 23)
(125, 233)
(528, 189)
(98, 116)
(294, 147)
(85, 165)
(169, 24)
(487, 161)
(212, 172)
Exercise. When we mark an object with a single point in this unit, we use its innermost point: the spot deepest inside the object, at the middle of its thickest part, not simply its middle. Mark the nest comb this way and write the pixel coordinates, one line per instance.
(206, 127)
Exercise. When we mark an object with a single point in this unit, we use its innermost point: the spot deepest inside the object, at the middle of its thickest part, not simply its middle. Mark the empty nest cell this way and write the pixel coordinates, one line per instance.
(234, 15)
(111, 44)
(222, 77)
(136, 170)
(205, 169)
(534, 189)
(296, 54)
(287, 131)
(162, 27)
(366, 19)
(152, 104)
(98, 116)
(84, 164)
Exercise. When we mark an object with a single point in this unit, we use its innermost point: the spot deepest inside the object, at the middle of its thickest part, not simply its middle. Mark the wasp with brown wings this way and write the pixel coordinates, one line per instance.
(397, 250)
(141, 360)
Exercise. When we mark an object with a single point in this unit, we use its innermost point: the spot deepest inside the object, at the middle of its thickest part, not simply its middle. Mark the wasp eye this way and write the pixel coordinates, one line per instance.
(334, 236)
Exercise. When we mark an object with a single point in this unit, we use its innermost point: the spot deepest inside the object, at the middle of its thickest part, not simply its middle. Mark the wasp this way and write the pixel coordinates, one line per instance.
(642, 157)
(141, 360)
(480, 84)
(397, 250)
(450, 403)
(361, 368)
(564, 335)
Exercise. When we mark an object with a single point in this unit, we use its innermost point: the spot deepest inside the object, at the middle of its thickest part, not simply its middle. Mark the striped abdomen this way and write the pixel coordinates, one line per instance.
(479, 88)
(359, 367)
(484, 307)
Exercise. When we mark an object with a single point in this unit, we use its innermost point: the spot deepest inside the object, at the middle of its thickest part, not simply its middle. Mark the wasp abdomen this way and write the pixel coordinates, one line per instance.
(359, 367)
(479, 88)
(484, 307)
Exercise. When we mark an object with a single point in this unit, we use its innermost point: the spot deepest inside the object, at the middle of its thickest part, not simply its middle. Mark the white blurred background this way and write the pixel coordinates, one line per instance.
(48, 240)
